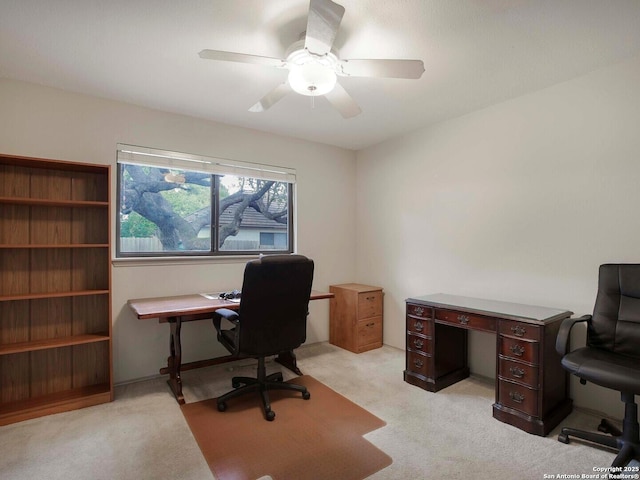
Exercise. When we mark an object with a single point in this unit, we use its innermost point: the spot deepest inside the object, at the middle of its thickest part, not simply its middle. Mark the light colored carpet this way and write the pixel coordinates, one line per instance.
(450, 434)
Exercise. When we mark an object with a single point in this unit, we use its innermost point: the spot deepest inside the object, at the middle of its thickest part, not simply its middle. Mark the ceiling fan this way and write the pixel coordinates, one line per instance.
(314, 67)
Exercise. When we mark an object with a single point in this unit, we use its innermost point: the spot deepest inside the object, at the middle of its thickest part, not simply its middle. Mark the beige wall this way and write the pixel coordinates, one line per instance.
(48, 123)
(521, 201)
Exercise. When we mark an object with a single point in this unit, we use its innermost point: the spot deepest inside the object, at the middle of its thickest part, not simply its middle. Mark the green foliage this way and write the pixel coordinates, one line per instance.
(188, 199)
(135, 225)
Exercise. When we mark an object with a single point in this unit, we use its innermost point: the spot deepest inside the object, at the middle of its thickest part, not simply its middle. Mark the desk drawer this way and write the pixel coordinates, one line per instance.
(520, 330)
(370, 331)
(466, 320)
(519, 349)
(418, 325)
(419, 343)
(419, 311)
(518, 372)
(518, 397)
(419, 363)
(369, 304)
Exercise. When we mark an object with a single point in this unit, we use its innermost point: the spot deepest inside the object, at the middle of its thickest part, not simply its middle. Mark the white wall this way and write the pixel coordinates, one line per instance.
(521, 201)
(517, 202)
(43, 122)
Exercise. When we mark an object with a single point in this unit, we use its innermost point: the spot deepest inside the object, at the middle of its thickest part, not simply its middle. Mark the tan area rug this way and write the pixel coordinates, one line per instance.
(319, 438)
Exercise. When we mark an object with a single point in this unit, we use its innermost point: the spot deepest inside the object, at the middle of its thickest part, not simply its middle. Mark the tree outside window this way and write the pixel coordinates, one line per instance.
(165, 211)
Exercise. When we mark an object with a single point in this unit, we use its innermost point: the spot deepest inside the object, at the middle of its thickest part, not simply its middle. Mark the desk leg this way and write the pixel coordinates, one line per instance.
(289, 360)
(175, 359)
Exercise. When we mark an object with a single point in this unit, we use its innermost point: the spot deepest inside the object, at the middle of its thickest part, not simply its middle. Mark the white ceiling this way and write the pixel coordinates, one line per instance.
(476, 53)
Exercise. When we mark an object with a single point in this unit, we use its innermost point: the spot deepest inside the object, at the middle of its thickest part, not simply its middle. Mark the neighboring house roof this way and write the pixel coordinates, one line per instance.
(251, 218)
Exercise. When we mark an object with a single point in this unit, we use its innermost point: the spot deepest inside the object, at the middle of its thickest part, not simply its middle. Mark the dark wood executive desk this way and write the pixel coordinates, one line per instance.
(532, 390)
(188, 308)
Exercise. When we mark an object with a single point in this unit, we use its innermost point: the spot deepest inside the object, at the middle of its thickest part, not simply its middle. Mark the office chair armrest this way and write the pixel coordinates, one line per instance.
(230, 315)
(562, 340)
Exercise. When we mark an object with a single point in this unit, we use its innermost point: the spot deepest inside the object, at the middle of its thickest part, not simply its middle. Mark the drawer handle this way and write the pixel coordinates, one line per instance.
(418, 326)
(418, 363)
(419, 311)
(418, 343)
(463, 319)
(517, 350)
(516, 397)
(370, 298)
(370, 324)
(518, 330)
(517, 372)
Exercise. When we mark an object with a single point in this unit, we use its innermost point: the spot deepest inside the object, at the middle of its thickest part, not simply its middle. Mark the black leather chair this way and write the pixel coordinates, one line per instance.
(611, 357)
(272, 319)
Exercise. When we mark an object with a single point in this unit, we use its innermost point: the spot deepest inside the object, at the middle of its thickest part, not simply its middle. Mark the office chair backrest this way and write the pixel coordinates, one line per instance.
(275, 303)
(616, 316)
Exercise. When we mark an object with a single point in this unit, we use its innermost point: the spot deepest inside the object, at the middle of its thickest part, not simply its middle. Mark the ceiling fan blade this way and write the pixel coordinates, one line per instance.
(322, 25)
(342, 101)
(271, 98)
(242, 58)
(382, 68)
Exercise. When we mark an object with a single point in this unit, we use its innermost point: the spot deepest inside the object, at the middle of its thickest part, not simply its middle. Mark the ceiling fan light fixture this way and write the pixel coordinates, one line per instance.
(312, 79)
(314, 65)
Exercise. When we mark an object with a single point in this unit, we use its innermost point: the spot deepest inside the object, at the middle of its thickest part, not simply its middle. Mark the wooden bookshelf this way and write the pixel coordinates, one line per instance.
(55, 287)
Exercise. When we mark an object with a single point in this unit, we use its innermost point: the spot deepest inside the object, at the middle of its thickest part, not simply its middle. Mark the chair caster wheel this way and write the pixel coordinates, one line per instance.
(270, 415)
(564, 438)
(222, 406)
(606, 427)
(306, 395)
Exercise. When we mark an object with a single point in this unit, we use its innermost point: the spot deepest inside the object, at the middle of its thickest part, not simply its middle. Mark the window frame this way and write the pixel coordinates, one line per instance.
(236, 168)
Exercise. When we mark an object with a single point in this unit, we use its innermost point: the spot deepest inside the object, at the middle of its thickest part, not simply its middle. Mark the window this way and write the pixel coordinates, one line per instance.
(173, 204)
(272, 239)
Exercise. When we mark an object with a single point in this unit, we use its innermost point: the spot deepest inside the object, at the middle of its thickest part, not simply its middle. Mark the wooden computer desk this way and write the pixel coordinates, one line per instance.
(532, 389)
(187, 308)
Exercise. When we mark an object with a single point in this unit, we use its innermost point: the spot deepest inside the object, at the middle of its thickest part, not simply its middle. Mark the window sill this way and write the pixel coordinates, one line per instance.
(163, 261)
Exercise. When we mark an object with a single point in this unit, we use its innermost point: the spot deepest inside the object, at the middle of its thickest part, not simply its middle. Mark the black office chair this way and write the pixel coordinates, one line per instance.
(272, 319)
(611, 357)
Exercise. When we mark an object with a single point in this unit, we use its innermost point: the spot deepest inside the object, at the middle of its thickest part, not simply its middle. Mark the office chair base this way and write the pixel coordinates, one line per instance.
(625, 441)
(262, 384)
(607, 427)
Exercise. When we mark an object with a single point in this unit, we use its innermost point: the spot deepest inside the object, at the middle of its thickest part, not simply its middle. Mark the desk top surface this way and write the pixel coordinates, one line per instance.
(163, 307)
(507, 310)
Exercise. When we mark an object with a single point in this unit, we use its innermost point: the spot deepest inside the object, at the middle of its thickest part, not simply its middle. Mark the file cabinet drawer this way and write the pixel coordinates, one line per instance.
(519, 349)
(370, 332)
(418, 343)
(518, 372)
(419, 311)
(518, 397)
(369, 304)
(519, 329)
(421, 326)
(419, 363)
